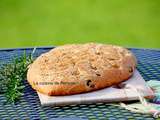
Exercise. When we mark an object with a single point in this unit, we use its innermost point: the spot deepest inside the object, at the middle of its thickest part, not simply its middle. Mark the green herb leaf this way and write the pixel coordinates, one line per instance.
(12, 76)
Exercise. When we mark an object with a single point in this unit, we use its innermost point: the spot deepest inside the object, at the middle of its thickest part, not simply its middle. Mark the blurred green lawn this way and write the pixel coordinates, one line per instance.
(131, 23)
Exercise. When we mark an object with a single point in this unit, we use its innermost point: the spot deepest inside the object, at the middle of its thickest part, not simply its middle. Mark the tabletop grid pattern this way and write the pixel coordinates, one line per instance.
(29, 106)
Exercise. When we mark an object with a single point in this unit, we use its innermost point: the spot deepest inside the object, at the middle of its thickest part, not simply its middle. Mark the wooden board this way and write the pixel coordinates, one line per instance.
(111, 94)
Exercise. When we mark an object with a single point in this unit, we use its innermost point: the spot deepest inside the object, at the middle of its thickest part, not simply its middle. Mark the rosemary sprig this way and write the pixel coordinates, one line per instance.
(12, 76)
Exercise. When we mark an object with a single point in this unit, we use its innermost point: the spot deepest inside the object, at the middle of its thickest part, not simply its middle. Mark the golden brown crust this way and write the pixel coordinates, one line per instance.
(73, 69)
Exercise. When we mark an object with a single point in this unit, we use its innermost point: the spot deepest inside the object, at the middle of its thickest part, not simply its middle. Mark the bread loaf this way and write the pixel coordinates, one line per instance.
(80, 68)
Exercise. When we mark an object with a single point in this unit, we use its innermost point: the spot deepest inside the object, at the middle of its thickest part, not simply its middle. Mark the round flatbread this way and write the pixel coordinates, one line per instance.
(80, 68)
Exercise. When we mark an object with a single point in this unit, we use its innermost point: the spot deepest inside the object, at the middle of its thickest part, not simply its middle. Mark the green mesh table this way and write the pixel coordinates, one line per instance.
(29, 106)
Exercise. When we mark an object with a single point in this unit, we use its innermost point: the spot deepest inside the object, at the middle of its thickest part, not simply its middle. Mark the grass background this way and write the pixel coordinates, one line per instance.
(130, 23)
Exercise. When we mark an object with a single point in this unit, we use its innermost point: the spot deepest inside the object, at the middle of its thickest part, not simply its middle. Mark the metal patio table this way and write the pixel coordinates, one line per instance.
(29, 105)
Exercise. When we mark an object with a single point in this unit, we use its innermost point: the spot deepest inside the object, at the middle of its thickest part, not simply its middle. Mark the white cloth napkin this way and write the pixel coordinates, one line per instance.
(111, 94)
